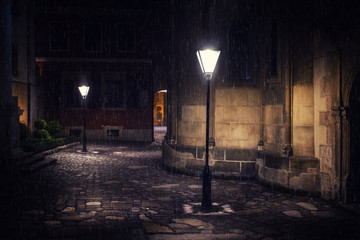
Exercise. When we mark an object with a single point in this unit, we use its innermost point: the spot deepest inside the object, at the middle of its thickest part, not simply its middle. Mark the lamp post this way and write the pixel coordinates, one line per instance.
(207, 60)
(84, 90)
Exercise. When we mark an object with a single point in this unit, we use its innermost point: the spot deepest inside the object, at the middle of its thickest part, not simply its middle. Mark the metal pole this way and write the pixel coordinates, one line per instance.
(84, 135)
(206, 200)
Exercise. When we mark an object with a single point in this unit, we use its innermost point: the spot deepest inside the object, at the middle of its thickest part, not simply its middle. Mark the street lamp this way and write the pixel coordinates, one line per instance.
(207, 60)
(84, 90)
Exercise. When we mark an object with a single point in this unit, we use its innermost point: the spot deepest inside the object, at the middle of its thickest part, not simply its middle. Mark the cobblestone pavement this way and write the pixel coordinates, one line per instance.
(120, 191)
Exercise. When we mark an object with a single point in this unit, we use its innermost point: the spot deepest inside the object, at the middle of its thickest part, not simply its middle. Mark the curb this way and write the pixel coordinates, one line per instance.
(37, 161)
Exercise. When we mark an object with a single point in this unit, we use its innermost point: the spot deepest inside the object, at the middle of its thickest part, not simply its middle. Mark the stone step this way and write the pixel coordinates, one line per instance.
(38, 161)
(30, 160)
(38, 165)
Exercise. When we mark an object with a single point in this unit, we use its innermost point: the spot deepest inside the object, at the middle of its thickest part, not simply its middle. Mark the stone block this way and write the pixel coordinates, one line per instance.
(325, 165)
(310, 182)
(237, 143)
(238, 97)
(260, 166)
(325, 151)
(303, 95)
(240, 154)
(219, 113)
(218, 153)
(222, 98)
(295, 182)
(273, 114)
(239, 131)
(276, 176)
(201, 152)
(325, 186)
(325, 86)
(276, 162)
(253, 131)
(274, 134)
(186, 149)
(195, 113)
(191, 141)
(248, 169)
(303, 135)
(222, 130)
(221, 166)
(328, 136)
(194, 165)
(322, 135)
(303, 116)
(328, 103)
(254, 97)
(324, 118)
(305, 151)
(301, 165)
(191, 129)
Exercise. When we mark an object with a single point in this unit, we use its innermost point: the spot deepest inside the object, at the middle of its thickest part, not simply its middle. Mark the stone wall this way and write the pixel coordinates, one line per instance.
(234, 163)
(274, 129)
(191, 127)
(325, 77)
(237, 118)
(289, 172)
(303, 120)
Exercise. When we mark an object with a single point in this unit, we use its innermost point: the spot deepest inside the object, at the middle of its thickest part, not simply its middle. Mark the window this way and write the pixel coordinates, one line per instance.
(113, 132)
(239, 54)
(114, 90)
(92, 37)
(125, 38)
(273, 49)
(59, 36)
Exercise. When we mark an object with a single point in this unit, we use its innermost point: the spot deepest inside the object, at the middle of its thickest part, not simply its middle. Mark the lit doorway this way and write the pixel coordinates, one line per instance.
(160, 115)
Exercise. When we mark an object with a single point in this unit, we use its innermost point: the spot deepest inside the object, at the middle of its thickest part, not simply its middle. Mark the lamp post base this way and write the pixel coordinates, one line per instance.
(84, 144)
(206, 200)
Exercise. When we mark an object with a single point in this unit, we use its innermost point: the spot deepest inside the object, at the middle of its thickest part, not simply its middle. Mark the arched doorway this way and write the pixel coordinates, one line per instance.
(353, 183)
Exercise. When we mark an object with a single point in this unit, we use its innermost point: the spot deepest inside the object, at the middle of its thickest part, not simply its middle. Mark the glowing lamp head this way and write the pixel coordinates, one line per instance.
(207, 59)
(84, 90)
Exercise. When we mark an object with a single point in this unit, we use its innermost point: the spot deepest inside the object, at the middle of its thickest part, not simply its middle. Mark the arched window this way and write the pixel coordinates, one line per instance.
(239, 53)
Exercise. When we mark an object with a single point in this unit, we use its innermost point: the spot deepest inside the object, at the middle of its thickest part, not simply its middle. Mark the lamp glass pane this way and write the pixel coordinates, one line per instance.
(200, 61)
(208, 59)
(84, 91)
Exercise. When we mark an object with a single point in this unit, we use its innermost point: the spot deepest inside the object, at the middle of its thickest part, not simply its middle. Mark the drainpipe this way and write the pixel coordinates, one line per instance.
(287, 149)
(341, 115)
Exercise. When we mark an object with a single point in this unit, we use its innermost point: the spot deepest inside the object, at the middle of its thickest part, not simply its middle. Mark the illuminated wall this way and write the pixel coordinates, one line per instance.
(20, 91)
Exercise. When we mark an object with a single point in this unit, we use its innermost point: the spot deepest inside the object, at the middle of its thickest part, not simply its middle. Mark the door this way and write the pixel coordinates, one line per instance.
(354, 118)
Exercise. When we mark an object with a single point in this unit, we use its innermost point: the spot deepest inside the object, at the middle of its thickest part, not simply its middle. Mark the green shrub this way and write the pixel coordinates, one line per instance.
(39, 145)
(54, 128)
(41, 134)
(40, 124)
(25, 132)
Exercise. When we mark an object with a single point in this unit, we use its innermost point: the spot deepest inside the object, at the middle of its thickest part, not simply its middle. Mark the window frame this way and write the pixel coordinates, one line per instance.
(118, 37)
(107, 77)
(234, 34)
(67, 37)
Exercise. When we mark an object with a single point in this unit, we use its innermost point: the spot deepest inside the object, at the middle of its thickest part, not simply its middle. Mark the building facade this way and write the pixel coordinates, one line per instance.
(283, 99)
(107, 45)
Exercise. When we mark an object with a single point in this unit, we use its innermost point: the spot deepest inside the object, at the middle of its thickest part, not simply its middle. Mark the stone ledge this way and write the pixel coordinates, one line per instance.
(178, 159)
(218, 154)
(297, 173)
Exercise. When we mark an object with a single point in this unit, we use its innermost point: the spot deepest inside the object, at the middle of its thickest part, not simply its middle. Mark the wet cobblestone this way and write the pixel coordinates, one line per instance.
(119, 191)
